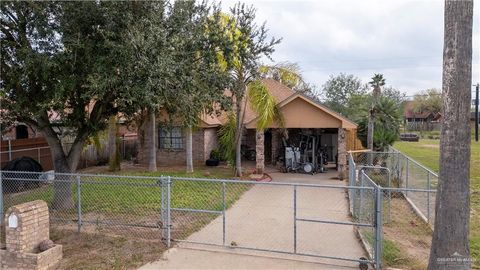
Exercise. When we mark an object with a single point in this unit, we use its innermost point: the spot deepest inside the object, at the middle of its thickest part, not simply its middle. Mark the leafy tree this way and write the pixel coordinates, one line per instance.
(340, 89)
(53, 53)
(248, 43)
(177, 65)
(428, 101)
(452, 208)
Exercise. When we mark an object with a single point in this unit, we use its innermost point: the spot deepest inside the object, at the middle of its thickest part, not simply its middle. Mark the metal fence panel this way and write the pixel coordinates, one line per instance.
(291, 218)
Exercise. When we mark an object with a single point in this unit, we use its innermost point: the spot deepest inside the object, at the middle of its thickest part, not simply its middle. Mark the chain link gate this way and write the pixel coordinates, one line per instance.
(294, 219)
(285, 218)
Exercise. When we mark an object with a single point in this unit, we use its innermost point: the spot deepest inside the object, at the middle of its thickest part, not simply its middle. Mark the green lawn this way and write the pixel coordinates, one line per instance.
(138, 200)
(427, 153)
(130, 201)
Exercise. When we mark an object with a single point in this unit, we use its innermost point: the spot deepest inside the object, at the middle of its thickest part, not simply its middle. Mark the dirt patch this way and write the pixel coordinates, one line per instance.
(410, 234)
(430, 146)
(111, 246)
(101, 251)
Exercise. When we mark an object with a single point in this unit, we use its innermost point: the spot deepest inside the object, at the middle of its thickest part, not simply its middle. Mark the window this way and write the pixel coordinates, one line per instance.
(170, 138)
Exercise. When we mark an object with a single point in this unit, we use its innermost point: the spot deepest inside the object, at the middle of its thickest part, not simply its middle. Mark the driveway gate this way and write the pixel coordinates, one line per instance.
(288, 218)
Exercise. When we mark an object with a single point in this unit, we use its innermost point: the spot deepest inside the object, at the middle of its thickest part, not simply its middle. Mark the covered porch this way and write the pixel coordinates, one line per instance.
(306, 123)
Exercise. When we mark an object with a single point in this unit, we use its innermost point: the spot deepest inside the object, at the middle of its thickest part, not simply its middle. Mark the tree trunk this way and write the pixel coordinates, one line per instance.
(370, 127)
(450, 245)
(189, 150)
(150, 142)
(238, 139)
(113, 153)
(62, 187)
(260, 151)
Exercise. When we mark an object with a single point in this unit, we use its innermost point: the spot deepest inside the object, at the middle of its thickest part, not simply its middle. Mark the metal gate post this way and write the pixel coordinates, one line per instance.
(224, 188)
(169, 184)
(428, 196)
(389, 197)
(406, 175)
(378, 227)
(1, 200)
(295, 219)
(79, 204)
(362, 183)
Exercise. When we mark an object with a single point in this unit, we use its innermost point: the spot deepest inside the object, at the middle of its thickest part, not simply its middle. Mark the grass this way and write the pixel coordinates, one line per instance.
(131, 200)
(427, 153)
(405, 238)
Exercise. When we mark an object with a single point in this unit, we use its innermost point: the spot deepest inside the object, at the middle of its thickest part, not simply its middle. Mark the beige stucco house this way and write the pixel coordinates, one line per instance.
(301, 115)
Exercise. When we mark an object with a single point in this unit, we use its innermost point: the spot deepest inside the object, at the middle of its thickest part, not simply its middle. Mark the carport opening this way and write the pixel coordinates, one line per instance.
(275, 141)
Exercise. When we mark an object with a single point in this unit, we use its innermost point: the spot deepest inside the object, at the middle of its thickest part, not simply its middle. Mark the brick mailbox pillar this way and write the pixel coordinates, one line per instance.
(26, 227)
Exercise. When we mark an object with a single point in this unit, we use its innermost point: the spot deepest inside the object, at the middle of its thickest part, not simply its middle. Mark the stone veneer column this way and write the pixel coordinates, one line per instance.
(260, 151)
(342, 153)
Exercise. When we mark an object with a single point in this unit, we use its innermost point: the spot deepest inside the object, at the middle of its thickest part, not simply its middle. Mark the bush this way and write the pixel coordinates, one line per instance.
(215, 154)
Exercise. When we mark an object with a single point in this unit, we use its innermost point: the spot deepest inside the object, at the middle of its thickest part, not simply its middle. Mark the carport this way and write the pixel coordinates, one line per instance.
(302, 115)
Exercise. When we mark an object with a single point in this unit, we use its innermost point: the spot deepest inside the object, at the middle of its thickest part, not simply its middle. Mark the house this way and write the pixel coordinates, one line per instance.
(420, 121)
(302, 115)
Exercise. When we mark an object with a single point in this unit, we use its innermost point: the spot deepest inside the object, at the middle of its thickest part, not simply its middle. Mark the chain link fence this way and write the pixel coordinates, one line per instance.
(290, 218)
(402, 176)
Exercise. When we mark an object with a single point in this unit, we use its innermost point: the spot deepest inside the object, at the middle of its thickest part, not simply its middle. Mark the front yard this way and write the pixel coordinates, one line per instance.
(110, 206)
(427, 152)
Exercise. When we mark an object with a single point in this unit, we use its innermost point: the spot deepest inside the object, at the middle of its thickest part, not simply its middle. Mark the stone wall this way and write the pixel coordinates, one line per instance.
(342, 153)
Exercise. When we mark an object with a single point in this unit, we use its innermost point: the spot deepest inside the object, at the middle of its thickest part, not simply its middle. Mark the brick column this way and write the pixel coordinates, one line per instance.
(260, 151)
(342, 153)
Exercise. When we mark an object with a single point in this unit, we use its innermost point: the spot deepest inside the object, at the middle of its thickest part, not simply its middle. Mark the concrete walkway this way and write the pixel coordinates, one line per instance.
(263, 218)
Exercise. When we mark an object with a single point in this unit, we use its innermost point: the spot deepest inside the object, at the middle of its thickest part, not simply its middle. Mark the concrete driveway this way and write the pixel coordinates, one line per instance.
(263, 218)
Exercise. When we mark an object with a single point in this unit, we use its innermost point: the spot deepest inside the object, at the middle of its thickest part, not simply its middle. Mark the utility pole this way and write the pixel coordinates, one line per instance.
(476, 111)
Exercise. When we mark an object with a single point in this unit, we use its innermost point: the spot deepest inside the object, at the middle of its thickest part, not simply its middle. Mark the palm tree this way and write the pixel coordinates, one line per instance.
(452, 208)
(377, 82)
(268, 112)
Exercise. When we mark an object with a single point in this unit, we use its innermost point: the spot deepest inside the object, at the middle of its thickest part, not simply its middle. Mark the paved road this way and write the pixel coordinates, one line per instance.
(263, 218)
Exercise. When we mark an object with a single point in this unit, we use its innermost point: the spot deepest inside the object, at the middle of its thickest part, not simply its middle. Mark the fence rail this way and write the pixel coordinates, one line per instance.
(415, 182)
(175, 209)
(180, 209)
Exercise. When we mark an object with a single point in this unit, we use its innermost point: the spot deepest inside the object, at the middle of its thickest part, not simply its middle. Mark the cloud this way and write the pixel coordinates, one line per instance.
(403, 39)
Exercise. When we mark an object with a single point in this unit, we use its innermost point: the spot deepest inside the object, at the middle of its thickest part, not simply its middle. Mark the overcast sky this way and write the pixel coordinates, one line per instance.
(402, 39)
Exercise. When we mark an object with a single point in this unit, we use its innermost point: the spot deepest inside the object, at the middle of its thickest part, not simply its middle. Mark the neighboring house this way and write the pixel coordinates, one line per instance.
(425, 121)
(20, 131)
(301, 115)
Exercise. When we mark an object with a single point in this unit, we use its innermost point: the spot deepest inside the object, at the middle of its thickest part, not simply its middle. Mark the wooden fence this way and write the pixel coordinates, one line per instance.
(353, 143)
(36, 148)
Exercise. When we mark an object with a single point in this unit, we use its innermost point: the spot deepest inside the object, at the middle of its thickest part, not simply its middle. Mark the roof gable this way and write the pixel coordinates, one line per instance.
(300, 111)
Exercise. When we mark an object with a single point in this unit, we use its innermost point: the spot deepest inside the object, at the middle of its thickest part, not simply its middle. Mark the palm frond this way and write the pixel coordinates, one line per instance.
(264, 105)
(226, 139)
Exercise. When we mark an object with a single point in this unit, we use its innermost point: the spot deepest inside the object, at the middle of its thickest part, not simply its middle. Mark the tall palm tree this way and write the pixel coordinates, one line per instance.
(452, 208)
(377, 82)
(268, 112)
